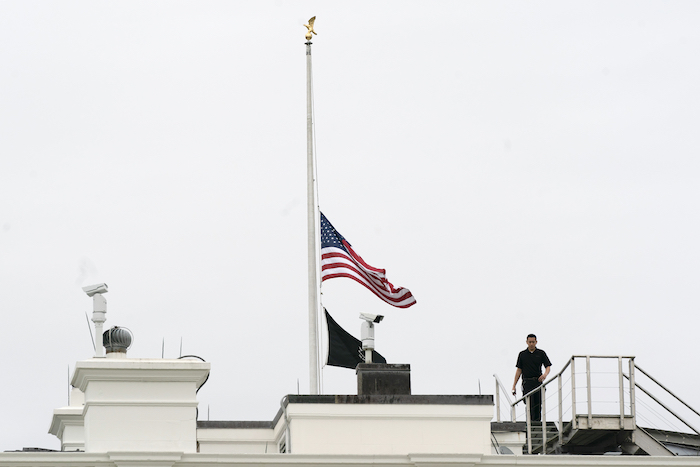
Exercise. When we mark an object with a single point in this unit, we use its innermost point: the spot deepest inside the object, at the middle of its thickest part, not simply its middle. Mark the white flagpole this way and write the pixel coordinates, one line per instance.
(312, 222)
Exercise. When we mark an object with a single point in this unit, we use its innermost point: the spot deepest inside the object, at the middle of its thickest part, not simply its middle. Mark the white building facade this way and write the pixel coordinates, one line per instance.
(143, 413)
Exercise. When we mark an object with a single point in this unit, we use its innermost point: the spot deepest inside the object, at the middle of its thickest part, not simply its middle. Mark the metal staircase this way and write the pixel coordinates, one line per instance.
(609, 422)
(552, 434)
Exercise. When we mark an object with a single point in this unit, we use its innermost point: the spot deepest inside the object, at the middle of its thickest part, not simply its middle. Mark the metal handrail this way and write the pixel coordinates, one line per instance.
(626, 394)
(558, 376)
(499, 386)
(531, 392)
(661, 403)
(667, 390)
(604, 356)
(287, 434)
(546, 382)
(526, 398)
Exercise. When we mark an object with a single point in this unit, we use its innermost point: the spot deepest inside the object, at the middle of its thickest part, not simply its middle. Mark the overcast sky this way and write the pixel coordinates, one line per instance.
(520, 166)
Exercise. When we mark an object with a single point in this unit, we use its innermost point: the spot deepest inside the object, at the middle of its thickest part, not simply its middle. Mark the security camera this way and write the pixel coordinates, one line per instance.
(371, 318)
(91, 290)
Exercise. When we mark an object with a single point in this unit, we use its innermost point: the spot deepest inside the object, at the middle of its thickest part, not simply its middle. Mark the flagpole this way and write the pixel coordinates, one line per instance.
(311, 223)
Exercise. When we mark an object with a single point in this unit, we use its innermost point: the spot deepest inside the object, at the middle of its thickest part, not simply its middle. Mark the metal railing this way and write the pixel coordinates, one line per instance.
(594, 397)
(622, 394)
(666, 407)
(499, 387)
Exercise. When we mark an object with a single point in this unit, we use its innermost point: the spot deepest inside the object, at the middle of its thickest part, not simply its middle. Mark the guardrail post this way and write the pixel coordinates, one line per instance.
(588, 391)
(498, 402)
(528, 423)
(573, 394)
(622, 393)
(561, 413)
(543, 408)
(633, 400)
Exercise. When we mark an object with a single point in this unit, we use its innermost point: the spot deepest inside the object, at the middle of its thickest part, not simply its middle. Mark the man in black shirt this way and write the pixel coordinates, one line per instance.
(529, 364)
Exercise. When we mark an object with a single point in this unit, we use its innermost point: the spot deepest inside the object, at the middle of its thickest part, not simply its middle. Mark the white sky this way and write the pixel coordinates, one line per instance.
(520, 166)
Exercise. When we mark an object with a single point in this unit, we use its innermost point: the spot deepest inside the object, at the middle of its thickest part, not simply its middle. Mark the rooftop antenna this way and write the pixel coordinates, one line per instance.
(92, 338)
(180, 346)
(162, 349)
(367, 333)
(99, 310)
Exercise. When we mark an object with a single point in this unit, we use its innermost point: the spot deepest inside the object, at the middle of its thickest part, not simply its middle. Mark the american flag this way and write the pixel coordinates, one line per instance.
(338, 259)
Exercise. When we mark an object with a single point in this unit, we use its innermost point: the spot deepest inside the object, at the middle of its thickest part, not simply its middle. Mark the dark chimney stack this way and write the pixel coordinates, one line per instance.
(384, 379)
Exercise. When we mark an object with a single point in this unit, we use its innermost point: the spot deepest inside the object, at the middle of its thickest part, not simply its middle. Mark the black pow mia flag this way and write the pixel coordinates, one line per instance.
(343, 349)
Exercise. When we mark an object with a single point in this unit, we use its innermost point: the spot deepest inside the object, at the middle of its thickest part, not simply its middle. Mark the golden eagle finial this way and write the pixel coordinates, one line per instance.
(310, 28)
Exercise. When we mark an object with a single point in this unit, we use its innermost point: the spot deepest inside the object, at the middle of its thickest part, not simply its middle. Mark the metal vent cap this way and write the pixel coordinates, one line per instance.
(117, 339)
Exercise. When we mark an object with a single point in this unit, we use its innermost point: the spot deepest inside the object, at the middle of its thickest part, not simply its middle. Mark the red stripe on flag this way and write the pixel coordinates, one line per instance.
(350, 276)
(386, 289)
(398, 296)
(357, 258)
(379, 286)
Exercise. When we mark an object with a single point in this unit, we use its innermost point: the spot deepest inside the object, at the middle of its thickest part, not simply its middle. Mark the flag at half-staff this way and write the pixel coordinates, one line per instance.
(338, 259)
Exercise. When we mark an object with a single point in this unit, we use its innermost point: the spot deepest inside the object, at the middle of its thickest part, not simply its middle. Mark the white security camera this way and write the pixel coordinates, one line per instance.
(367, 333)
(371, 318)
(91, 290)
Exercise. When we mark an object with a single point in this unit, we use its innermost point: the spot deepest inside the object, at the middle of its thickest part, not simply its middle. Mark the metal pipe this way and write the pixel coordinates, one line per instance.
(505, 392)
(543, 408)
(498, 401)
(667, 390)
(563, 369)
(622, 393)
(588, 391)
(528, 394)
(573, 394)
(633, 399)
(603, 356)
(664, 406)
(528, 423)
(561, 413)
(544, 384)
(287, 433)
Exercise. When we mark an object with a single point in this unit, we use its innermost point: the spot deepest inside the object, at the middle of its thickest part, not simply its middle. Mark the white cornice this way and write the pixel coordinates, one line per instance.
(141, 403)
(139, 370)
(65, 416)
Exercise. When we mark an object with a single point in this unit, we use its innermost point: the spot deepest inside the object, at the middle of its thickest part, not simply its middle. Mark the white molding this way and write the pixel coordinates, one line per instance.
(313, 416)
(141, 403)
(139, 370)
(85, 459)
(65, 416)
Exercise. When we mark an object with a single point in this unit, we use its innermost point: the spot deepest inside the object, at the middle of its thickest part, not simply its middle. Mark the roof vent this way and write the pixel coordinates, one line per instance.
(116, 341)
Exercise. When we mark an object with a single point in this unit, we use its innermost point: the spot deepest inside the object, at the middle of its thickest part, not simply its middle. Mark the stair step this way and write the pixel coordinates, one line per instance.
(552, 438)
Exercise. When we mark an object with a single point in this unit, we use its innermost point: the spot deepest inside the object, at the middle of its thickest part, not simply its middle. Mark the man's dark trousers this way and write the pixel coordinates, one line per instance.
(535, 400)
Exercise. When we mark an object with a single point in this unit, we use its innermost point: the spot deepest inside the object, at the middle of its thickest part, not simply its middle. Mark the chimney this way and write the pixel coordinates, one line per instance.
(386, 379)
